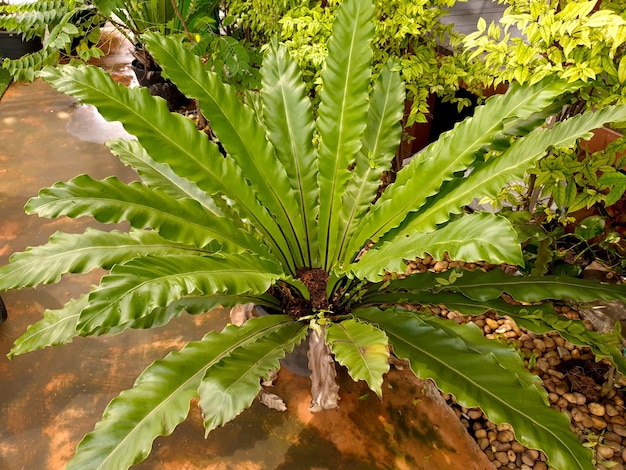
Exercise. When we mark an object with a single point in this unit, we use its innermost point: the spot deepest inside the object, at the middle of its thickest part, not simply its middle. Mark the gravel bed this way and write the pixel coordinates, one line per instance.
(592, 394)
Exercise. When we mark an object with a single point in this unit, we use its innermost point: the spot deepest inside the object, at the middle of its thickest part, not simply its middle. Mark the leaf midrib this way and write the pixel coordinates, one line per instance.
(185, 385)
(483, 389)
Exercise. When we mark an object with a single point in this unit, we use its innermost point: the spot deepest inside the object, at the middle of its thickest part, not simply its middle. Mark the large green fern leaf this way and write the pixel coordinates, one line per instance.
(488, 178)
(231, 384)
(80, 253)
(111, 201)
(342, 116)
(160, 175)
(379, 143)
(168, 138)
(55, 328)
(538, 318)
(161, 397)
(481, 372)
(473, 237)
(479, 285)
(136, 288)
(454, 151)
(288, 116)
(239, 131)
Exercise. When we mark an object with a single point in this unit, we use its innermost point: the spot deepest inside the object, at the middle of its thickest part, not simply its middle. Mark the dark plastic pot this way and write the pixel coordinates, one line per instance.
(159, 86)
(13, 47)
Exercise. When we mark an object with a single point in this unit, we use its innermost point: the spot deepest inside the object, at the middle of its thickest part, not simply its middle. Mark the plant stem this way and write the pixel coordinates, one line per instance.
(182, 21)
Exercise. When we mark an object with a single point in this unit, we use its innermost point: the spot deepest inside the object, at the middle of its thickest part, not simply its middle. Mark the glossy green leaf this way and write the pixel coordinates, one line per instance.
(454, 151)
(491, 285)
(342, 115)
(80, 253)
(168, 138)
(484, 373)
(362, 349)
(159, 175)
(55, 328)
(378, 146)
(160, 399)
(473, 237)
(539, 318)
(488, 178)
(136, 288)
(231, 384)
(111, 201)
(239, 131)
(288, 116)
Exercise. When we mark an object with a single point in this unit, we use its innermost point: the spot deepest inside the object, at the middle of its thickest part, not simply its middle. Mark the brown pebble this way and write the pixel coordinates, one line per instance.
(612, 410)
(539, 344)
(562, 388)
(598, 423)
(503, 446)
(619, 419)
(570, 397)
(596, 409)
(605, 451)
(440, 266)
(562, 403)
(556, 373)
(619, 429)
(577, 414)
(517, 447)
(506, 436)
(502, 457)
(492, 324)
(611, 436)
(554, 361)
(483, 443)
(529, 457)
(512, 456)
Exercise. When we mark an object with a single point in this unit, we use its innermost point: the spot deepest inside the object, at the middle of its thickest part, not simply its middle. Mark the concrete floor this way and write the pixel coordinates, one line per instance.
(49, 399)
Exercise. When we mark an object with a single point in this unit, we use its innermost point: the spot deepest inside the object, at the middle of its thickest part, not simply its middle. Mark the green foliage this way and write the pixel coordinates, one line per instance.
(569, 39)
(73, 27)
(406, 31)
(575, 40)
(198, 23)
(568, 180)
(290, 218)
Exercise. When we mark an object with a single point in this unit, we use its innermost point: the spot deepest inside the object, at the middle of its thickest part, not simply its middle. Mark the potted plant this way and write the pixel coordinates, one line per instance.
(73, 30)
(195, 23)
(13, 44)
(290, 220)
